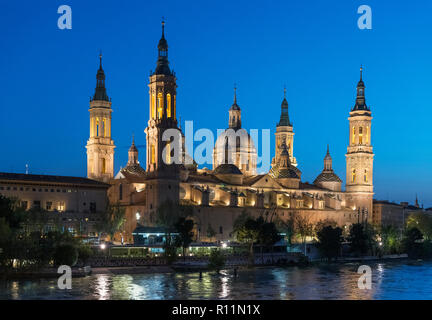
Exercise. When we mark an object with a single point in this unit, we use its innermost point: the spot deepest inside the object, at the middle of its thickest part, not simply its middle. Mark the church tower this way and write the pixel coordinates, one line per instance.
(162, 92)
(359, 158)
(100, 146)
(284, 134)
(162, 174)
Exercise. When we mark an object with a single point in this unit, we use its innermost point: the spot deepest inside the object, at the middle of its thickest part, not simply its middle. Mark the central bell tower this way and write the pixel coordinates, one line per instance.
(162, 174)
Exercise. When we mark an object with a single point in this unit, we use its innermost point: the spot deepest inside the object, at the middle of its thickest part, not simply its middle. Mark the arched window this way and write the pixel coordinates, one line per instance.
(353, 135)
(353, 175)
(361, 135)
(367, 135)
(104, 127)
(160, 105)
(153, 106)
(365, 176)
(152, 154)
(97, 127)
(168, 105)
(103, 165)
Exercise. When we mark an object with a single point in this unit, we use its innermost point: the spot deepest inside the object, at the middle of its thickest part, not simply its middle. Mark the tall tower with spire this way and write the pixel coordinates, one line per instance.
(359, 158)
(100, 146)
(284, 134)
(162, 92)
(235, 113)
(162, 174)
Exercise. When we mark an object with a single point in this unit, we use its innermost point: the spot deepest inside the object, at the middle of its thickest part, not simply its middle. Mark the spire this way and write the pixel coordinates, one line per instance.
(360, 100)
(328, 160)
(235, 94)
(133, 152)
(162, 62)
(235, 113)
(284, 118)
(100, 92)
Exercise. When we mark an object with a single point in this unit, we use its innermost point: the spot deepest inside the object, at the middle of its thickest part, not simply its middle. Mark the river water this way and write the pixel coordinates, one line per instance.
(389, 281)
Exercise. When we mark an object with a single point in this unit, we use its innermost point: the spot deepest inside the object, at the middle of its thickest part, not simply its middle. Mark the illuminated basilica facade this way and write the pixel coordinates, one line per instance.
(219, 195)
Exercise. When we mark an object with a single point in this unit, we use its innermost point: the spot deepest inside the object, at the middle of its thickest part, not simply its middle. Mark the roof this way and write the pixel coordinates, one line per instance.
(327, 176)
(227, 168)
(280, 173)
(39, 178)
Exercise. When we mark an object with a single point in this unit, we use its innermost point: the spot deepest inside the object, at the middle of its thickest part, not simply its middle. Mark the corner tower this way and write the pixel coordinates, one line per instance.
(359, 158)
(284, 134)
(100, 146)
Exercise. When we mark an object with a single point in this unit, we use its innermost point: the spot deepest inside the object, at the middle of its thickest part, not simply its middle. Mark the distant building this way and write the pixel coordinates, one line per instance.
(73, 203)
(386, 213)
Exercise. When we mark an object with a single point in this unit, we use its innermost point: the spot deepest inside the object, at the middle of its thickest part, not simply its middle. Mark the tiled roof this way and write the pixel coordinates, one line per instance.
(41, 178)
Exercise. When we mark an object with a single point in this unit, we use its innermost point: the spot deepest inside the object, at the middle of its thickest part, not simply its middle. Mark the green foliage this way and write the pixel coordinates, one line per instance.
(66, 254)
(412, 244)
(324, 223)
(112, 220)
(391, 240)
(287, 227)
(358, 239)
(211, 233)
(84, 253)
(184, 228)
(329, 241)
(246, 231)
(217, 260)
(422, 222)
(12, 213)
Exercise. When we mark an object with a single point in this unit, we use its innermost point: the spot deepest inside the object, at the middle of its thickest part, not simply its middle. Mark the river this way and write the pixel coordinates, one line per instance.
(390, 280)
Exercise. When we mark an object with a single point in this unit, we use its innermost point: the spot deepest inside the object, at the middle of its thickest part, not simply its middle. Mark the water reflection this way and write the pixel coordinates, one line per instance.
(389, 281)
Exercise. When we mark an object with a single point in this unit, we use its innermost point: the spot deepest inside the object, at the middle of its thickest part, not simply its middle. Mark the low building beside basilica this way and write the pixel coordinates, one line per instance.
(220, 195)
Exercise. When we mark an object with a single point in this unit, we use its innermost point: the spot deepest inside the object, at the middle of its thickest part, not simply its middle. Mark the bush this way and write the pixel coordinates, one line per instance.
(66, 254)
(84, 253)
(217, 260)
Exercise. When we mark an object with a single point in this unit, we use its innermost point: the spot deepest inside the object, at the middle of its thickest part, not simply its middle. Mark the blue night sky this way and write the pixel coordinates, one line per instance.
(313, 47)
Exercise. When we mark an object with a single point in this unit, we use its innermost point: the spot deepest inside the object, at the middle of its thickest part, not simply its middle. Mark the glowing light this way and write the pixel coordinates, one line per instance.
(103, 246)
(137, 215)
(224, 245)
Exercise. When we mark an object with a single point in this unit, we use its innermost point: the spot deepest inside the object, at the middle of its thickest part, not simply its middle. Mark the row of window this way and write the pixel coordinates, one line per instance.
(157, 107)
(9, 188)
(53, 205)
(354, 176)
(362, 133)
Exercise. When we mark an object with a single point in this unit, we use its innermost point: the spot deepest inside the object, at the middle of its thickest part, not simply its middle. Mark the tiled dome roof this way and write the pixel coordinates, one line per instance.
(227, 168)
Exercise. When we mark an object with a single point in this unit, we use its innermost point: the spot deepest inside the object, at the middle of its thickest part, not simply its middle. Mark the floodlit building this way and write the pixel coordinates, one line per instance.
(232, 186)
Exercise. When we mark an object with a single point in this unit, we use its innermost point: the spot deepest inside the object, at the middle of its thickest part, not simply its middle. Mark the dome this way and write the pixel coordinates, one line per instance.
(327, 177)
(239, 149)
(227, 168)
(282, 173)
(133, 169)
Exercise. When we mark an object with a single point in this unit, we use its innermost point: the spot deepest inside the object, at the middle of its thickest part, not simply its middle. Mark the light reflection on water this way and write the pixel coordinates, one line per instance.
(389, 281)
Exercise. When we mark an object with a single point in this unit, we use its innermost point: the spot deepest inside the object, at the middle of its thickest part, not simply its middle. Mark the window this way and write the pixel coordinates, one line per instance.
(367, 135)
(361, 135)
(103, 165)
(36, 204)
(24, 205)
(92, 207)
(168, 105)
(160, 105)
(48, 205)
(168, 153)
(365, 176)
(152, 154)
(353, 175)
(153, 106)
(353, 135)
(61, 206)
(97, 127)
(321, 204)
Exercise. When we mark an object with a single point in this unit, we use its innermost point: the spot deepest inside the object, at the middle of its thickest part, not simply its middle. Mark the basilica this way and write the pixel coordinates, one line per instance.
(220, 194)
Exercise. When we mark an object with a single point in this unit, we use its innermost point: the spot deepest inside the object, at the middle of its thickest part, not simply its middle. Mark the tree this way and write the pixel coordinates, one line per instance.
(303, 229)
(211, 233)
(112, 220)
(217, 260)
(324, 223)
(361, 238)
(268, 235)
(411, 242)
(66, 254)
(287, 227)
(184, 228)
(390, 239)
(329, 241)
(246, 231)
(422, 222)
(167, 215)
